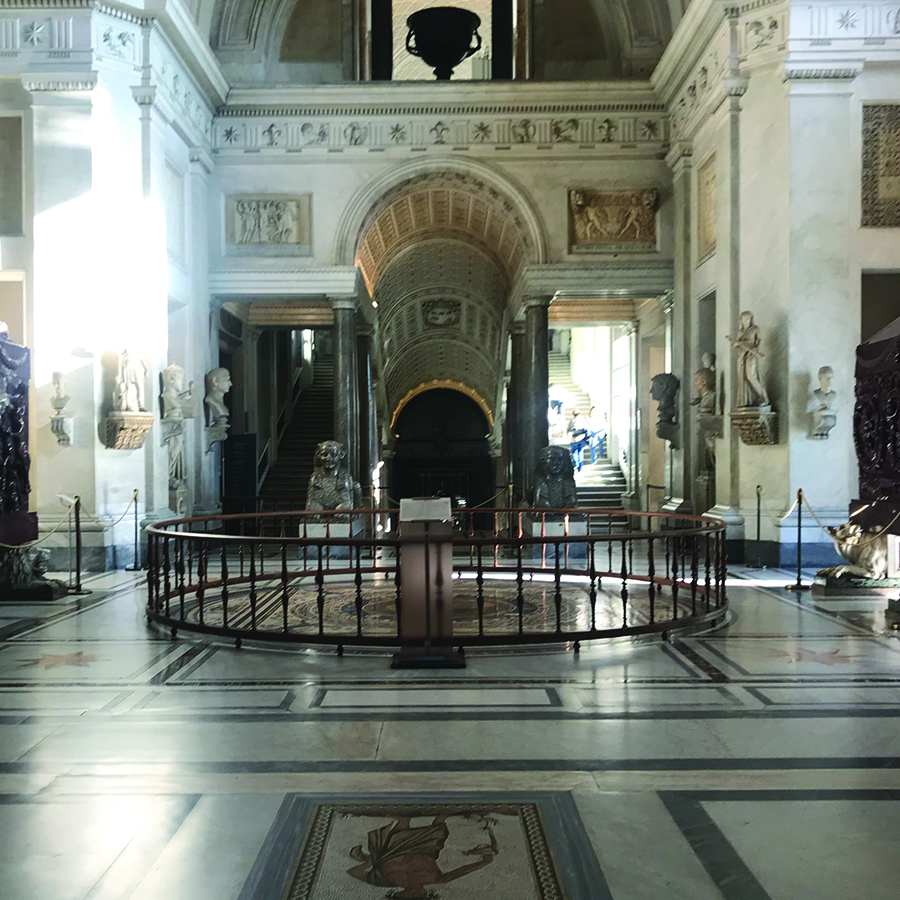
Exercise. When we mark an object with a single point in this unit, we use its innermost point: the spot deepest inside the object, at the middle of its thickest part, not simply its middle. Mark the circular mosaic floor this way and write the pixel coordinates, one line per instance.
(379, 618)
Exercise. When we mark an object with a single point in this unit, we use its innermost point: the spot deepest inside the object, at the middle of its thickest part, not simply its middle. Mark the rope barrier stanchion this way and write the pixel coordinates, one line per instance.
(79, 590)
(758, 564)
(137, 567)
(799, 585)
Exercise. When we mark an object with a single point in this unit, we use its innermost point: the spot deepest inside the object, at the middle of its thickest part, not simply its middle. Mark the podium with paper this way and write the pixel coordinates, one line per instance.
(426, 579)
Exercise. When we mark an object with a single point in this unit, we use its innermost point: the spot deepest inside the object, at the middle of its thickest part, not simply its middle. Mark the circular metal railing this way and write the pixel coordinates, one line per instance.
(519, 576)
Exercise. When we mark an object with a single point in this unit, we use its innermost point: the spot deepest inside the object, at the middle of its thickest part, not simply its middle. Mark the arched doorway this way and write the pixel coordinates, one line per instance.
(441, 449)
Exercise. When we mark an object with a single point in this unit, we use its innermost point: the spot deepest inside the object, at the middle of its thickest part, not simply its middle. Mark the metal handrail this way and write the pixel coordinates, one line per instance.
(200, 575)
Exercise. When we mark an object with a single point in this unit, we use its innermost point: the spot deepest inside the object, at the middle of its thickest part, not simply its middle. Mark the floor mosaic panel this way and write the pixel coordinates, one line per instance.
(379, 617)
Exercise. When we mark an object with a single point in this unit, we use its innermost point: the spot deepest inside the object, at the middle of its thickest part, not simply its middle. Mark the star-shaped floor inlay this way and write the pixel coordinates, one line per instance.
(55, 660)
(802, 655)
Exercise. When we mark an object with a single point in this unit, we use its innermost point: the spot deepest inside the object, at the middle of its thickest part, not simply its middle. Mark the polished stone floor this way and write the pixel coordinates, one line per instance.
(759, 761)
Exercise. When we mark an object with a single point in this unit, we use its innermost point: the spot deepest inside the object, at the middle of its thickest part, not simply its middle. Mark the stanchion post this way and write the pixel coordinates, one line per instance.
(137, 537)
(799, 586)
(758, 564)
(77, 544)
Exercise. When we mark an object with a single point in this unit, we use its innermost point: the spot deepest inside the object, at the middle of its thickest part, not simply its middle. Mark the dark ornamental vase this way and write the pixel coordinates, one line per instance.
(442, 37)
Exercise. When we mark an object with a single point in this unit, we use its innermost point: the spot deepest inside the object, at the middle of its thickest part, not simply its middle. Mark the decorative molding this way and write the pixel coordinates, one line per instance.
(58, 84)
(253, 283)
(324, 131)
(803, 71)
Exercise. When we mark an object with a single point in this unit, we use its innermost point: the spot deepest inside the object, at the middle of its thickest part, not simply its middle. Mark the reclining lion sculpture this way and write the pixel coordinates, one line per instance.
(866, 554)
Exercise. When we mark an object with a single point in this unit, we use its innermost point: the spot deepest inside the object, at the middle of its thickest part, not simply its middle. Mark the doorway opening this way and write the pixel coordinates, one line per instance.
(441, 449)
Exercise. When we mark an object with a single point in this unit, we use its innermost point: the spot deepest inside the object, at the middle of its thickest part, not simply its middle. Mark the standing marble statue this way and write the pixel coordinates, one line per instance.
(172, 400)
(747, 344)
(823, 419)
(129, 396)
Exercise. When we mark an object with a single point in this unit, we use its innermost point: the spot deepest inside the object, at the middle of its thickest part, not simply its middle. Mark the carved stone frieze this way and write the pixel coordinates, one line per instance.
(268, 225)
(246, 129)
(127, 430)
(756, 425)
(612, 221)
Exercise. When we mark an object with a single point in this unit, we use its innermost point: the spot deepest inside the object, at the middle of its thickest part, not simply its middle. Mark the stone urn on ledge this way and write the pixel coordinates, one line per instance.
(441, 37)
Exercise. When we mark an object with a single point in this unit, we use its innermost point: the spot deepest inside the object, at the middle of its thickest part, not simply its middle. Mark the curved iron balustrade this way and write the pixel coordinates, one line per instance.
(299, 578)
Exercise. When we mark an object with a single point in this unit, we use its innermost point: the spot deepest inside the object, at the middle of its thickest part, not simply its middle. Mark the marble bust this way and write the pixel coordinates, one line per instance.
(663, 389)
(705, 386)
(174, 395)
(218, 384)
(823, 419)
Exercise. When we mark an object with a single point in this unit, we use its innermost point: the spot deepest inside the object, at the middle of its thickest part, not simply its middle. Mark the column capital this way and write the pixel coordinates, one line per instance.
(680, 156)
(365, 331)
(630, 328)
(517, 328)
(536, 300)
(201, 161)
(667, 302)
(344, 303)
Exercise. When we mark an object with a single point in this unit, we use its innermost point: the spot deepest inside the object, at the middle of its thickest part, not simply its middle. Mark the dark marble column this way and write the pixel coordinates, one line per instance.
(365, 418)
(535, 400)
(346, 387)
(515, 437)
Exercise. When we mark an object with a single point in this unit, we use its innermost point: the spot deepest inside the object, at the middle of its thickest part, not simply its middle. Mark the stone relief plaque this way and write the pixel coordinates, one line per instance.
(881, 166)
(10, 175)
(441, 313)
(707, 213)
(603, 221)
(268, 225)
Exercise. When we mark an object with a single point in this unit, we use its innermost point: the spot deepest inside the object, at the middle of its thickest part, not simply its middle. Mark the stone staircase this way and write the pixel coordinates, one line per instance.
(313, 422)
(600, 485)
(559, 368)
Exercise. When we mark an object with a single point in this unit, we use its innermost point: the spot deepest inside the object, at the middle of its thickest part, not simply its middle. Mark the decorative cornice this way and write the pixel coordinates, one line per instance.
(55, 83)
(199, 156)
(427, 109)
(802, 71)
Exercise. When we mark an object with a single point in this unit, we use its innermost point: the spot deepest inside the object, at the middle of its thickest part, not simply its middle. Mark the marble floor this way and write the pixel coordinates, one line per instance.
(757, 761)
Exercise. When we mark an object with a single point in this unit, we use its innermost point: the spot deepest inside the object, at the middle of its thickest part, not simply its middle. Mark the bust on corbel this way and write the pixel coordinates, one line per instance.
(218, 384)
(60, 425)
(823, 418)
